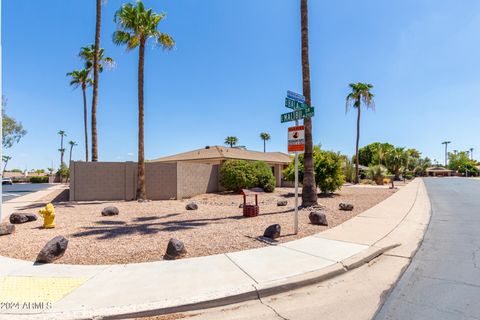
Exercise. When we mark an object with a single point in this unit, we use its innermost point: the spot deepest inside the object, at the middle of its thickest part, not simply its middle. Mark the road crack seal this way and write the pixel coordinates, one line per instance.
(269, 306)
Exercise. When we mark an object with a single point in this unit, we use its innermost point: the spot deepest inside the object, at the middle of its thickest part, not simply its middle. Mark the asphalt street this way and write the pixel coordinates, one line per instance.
(10, 192)
(443, 280)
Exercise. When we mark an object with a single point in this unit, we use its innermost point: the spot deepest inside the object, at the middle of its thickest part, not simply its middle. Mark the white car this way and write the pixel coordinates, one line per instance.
(7, 181)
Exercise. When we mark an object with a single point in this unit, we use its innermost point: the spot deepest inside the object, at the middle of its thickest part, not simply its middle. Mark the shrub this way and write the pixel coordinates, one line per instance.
(377, 173)
(328, 167)
(240, 174)
(264, 174)
(42, 179)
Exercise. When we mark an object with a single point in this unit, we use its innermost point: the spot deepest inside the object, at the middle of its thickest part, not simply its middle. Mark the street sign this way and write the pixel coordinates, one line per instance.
(294, 104)
(307, 112)
(295, 96)
(296, 139)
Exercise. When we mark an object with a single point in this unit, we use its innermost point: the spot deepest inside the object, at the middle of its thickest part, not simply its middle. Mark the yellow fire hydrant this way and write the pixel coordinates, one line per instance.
(48, 214)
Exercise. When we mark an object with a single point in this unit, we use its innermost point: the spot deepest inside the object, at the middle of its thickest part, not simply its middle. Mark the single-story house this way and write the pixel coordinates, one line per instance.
(278, 161)
(174, 177)
(439, 172)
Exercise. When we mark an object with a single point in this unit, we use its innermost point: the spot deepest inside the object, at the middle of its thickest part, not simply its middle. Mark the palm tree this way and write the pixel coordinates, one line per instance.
(98, 22)
(396, 159)
(81, 78)
(360, 93)
(231, 141)
(135, 26)
(72, 144)
(471, 153)
(265, 137)
(309, 189)
(62, 149)
(5, 159)
(95, 62)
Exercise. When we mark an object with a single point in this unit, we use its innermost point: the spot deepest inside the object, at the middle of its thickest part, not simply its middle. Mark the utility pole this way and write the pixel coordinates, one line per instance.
(446, 151)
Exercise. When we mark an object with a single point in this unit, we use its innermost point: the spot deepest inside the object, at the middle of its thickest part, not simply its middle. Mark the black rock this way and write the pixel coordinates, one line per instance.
(191, 206)
(318, 218)
(110, 211)
(346, 206)
(17, 218)
(31, 217)
(272, 232)
(241, 205)
(53, 250)
(6, 228)
(175, 250)
(282, 203)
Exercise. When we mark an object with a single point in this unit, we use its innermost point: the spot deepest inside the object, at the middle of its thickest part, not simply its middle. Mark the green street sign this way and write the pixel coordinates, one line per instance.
(307, 112)
(294, 104)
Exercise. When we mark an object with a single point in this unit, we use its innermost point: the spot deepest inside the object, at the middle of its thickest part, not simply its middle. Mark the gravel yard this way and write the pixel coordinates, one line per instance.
(141, 231)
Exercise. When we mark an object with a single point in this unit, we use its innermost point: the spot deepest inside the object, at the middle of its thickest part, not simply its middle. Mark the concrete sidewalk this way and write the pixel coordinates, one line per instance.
(83, 292)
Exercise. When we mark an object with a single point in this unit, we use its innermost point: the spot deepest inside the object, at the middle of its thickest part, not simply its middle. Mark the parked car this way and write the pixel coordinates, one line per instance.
(7, 181)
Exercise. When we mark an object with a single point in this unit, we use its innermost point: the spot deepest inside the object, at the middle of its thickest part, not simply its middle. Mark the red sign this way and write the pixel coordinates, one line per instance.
(296, 139)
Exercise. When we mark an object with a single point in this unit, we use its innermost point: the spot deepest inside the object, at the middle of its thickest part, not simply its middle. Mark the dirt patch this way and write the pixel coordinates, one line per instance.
(141, 231)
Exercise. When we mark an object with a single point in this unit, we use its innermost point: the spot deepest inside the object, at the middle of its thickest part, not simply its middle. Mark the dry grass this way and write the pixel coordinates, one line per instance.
(141, 231)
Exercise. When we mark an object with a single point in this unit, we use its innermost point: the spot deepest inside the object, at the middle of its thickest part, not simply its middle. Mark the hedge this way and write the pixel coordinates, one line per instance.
(42, 179)
(240, 174)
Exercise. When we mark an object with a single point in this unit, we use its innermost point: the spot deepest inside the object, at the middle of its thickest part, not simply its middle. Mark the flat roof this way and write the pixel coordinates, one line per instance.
(225, 153)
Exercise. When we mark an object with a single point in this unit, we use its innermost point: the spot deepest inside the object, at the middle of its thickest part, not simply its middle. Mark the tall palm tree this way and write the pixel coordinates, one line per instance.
(231, 141)
(98, 22)
(265, 137)
(360, 93)
(135, 26)
(80, 78)
(62, 149)
(5, 159)
(471, 153)
(309, 189)
(72, 144)
(95, 63)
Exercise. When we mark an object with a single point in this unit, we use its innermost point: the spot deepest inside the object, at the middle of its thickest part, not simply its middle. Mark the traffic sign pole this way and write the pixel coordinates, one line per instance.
(295, 223)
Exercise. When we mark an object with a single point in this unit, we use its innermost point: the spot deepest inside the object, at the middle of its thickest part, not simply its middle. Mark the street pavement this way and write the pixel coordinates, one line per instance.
(443, 280)
(16, 190)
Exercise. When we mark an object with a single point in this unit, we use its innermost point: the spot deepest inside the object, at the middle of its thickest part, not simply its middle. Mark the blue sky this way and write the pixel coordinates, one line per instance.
(231, 68)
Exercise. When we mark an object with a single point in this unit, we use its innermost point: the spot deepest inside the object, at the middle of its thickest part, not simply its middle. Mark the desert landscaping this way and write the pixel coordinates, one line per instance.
(141, 230)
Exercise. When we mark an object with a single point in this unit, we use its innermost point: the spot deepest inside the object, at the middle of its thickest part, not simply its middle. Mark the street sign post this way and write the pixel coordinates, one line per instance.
(307, 112)
(296, 135)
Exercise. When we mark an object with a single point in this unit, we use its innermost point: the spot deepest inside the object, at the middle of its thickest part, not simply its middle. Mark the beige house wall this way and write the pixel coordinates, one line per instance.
(196, 178)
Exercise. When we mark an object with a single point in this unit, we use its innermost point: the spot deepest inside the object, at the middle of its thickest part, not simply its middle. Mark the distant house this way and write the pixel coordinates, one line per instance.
(439, 172)
(218, 155)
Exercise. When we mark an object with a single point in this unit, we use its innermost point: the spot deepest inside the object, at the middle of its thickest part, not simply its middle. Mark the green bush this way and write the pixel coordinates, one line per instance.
(264, 174)
(39, 179)
(377, 173)
(240, 174)
(328, 166)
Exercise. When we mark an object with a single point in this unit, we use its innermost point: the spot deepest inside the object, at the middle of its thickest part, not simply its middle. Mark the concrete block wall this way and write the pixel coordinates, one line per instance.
(196, 178)
(118, 180)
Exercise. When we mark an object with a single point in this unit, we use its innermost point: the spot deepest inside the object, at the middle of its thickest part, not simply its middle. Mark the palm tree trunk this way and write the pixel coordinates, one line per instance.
(61, 150)
(85, 121)
(141, 192)
(5, 166)
(95, 81)
(309, 189)
(264, 146)
(357, 170)
(70, 158)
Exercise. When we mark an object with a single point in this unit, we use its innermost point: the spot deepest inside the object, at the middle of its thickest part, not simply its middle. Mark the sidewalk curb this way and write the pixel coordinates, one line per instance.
(265, 290)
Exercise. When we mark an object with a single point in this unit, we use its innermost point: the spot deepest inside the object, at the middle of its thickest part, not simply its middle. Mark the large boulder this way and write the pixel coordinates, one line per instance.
(17, 218)
(6, 228)
(346, 206)
(110, 211)
(175, 250)
(53, 250)
(318, 218)
(191, 206)
(273, 231)
(282, 203)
